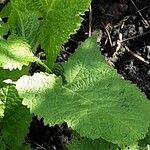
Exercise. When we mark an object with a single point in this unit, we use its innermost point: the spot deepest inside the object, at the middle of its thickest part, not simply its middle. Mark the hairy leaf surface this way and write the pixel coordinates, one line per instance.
(14, 125)
(14, 53)
(24, 23)
(96, 101)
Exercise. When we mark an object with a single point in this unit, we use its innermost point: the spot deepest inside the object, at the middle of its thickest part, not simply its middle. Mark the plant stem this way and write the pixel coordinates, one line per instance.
(45, 66)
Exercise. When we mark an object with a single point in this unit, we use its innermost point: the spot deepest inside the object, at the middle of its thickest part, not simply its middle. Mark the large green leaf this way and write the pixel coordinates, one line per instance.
(40, 6)
(96, 101)
(15, 53)
(14, 125)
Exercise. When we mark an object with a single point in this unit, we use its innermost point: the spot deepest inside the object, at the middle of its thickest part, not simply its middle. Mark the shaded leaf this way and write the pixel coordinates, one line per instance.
(83, 143)
(14, 125)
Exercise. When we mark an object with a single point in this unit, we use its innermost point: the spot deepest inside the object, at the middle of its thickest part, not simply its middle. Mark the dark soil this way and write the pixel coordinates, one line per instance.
(48, 138)
(133, 24)
(116, 20)
(119, 21)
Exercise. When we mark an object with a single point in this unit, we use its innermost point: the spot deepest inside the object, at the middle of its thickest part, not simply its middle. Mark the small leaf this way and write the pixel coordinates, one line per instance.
(15, 53)
(14, 125)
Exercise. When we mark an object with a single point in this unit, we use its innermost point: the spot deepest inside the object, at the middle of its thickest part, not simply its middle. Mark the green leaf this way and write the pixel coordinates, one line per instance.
(7, 75)
(2, 144)
(5, 12)
(146, 141)
(62, 19)
(96, 101)
(14, 125)
(3, 29)
(2, 107)
(82, 143)
(15, 53)
(2, 103)
(24, 23)
(14, 74)
(40, 6)
(23, 20)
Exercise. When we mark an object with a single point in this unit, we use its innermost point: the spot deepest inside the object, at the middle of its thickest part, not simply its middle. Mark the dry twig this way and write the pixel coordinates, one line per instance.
(145, 21)
(135, 55)
(90, 21)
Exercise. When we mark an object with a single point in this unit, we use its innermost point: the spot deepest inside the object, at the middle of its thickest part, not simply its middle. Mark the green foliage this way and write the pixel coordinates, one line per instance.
(14, 74)
(30, 23)
(62, 20)
(3, 29)
(14, 125)
(145, 142)
(49, 23)
(25, 24)
(96, 101)
(2, 103)
(14, 53)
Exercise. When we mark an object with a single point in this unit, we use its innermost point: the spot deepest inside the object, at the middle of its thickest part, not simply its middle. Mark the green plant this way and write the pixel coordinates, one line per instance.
(104, 110)
(46, 22)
